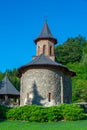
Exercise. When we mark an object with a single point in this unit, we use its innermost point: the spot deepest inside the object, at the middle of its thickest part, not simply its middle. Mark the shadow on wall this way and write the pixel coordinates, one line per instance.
(37, 98)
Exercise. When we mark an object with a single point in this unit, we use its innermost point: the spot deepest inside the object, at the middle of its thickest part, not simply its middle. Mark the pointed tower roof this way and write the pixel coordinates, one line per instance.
(6, 87)
(46, 34)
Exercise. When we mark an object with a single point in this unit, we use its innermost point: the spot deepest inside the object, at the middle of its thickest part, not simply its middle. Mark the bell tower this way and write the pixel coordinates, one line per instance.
(45, 43)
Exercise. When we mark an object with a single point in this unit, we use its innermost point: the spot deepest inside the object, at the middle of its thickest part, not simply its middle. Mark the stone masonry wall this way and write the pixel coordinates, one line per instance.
(42, 86)
(39, 83)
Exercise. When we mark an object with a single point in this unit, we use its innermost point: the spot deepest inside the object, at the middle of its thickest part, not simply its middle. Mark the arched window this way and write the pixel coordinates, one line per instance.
(44, 49)
(50, 50)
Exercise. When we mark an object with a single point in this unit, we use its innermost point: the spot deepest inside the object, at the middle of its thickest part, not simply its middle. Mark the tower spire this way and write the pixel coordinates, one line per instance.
(45, 42)
(46, 34)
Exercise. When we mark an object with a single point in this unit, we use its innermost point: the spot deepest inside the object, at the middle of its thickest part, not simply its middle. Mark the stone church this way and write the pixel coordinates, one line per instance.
(44, 81)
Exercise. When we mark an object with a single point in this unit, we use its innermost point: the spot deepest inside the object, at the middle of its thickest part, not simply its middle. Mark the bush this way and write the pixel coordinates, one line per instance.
(35, 113)
(54, 114)
(72, 112)
(3, 111)
(29, 113)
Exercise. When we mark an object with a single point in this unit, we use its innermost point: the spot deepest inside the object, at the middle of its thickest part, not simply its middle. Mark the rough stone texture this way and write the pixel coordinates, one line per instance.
(36, 84)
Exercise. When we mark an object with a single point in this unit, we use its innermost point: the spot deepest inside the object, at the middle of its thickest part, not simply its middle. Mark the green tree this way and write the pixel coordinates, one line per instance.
(70, 51)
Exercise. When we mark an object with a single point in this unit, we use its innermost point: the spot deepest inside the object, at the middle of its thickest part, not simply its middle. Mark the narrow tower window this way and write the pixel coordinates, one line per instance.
(38, 50)
(44, 49)
(50, 50)
(49, 97)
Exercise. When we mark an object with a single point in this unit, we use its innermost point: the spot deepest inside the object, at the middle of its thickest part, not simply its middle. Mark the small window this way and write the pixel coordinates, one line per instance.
(49, 97)
(38, 50)
(44, 49)
(50, 50)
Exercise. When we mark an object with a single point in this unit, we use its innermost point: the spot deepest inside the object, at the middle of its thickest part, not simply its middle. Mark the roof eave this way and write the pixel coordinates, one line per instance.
(46, 38)
(10, 94)
(64, 69)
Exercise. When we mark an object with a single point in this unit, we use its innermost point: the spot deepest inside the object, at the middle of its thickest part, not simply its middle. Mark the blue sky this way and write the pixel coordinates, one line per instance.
(22, 20)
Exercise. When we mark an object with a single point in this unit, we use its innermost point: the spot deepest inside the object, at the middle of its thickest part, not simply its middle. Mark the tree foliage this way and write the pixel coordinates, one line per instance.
(73, 53)
(70, 51)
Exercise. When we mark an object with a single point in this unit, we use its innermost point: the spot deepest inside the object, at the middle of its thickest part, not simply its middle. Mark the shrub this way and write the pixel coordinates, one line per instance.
(35, 113)
(3, 110)
(29, 113)
(71, 112)
(54, 113)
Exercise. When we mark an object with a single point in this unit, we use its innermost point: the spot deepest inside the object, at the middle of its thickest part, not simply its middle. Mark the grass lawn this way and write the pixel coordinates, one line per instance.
(62, 125)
